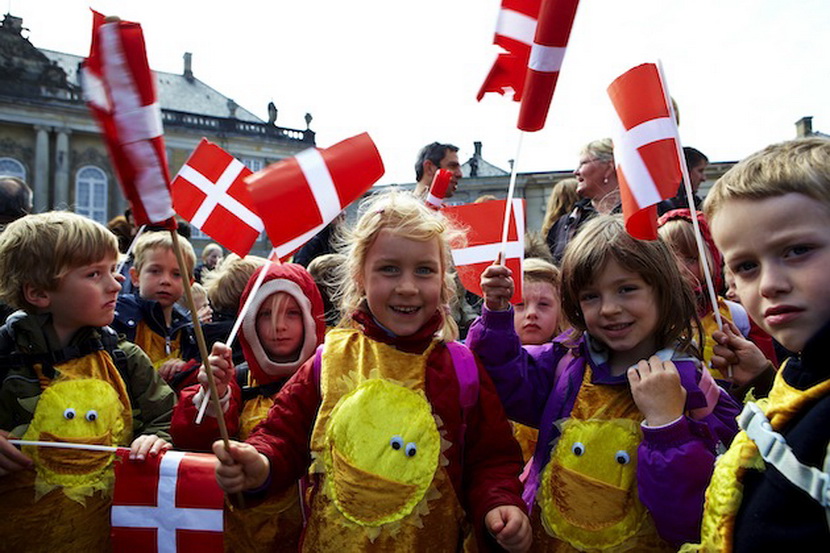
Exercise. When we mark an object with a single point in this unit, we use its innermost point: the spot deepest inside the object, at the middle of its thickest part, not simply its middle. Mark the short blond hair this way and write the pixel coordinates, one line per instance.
(405, 215)
(535, 269)
(800, 166)
(41, 249)
(151, 241)
(210, 248)
(227, 282)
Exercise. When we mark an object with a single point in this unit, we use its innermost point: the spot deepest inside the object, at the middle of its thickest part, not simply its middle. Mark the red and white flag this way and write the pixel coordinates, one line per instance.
(120, 91)
(647, 148)
(484, 242)
(556, 17)
(298, 196)
(515, 29)
(438, 189)
(169, 503)
(210, 192)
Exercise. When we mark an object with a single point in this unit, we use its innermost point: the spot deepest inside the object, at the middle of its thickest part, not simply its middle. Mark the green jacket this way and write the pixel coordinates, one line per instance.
(151, 399)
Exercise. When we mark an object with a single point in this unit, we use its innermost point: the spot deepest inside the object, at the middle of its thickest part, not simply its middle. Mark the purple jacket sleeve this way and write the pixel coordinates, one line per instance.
(524, 376)
(675, 464)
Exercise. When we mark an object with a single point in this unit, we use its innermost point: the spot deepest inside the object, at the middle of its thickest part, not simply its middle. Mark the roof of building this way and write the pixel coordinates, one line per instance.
(176, 92)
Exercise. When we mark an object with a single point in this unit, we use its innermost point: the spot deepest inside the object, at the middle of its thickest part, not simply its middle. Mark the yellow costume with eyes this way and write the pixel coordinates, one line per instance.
(377, 449)
(587, 498)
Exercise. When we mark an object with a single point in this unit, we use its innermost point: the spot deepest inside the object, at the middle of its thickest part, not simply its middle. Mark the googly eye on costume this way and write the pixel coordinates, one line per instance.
(578, 449)
(396, 442)
(69, 413)
(411, 449)
(92, 415)
(622, 457)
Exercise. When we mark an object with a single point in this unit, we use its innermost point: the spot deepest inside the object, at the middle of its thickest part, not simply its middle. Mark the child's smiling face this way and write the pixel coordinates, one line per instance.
(402, 279)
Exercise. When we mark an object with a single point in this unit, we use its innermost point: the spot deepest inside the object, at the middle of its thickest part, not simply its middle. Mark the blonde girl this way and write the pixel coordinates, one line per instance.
(381, 415)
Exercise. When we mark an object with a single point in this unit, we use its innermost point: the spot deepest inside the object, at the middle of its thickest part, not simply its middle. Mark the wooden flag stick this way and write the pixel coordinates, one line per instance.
(203, 351)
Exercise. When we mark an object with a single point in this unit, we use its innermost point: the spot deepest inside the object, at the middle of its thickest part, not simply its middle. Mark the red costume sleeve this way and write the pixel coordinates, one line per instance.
(200, 437)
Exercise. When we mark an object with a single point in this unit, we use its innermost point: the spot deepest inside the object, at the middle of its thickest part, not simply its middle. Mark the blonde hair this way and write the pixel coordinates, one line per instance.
(41, 249)
(799, 166)
(540, 270)
(602, 149)
(679, 234)
(151, 241)
(226, 283)
(404, 215)
(604, 238)
(212, 247)
(560, 202)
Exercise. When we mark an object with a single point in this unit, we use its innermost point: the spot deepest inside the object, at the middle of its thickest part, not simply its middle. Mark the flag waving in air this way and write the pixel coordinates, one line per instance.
(556, 17)
(515, 29)
(484, 242)
(169, 503)
(210, 192)
(647, 148)
(121, 93)
(298, 196)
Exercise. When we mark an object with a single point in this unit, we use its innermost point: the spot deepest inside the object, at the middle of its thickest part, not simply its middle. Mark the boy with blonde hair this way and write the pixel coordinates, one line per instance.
(770, 217)
(65, 376)
(152, 319)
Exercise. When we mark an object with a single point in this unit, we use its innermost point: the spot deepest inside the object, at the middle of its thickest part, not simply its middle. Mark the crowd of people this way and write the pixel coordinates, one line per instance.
(374, 405)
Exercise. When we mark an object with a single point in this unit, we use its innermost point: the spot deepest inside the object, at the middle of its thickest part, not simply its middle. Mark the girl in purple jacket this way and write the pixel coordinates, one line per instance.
(629, 423)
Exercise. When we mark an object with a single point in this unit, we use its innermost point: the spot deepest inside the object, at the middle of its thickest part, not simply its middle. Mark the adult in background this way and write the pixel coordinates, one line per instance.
(696, 164)
(599, 192)
(15, 202)
(212, 255)
(561, 201)
(431, 158)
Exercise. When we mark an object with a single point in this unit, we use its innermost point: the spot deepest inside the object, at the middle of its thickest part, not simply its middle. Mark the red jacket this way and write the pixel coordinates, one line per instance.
(292, 279)
(486, 476)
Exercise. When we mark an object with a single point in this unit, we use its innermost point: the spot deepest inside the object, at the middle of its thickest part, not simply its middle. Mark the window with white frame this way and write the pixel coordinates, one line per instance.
(10, 167)
(91, 193)
(252, 164)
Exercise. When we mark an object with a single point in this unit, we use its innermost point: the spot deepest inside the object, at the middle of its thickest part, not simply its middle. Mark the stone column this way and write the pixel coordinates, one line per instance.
(41, 177)
(62, 181)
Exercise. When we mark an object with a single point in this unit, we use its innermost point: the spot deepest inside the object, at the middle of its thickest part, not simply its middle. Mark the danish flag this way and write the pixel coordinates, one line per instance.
(168, 503)
(515, 29)
(484, 242)
(298, 196)
(647, 148)
(438, 189)
(556, 17)
(210, 192)
(121, 93)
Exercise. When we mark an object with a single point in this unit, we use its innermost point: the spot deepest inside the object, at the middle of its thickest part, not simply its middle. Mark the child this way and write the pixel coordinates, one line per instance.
(61, 362)
(152, 319)
(200, 300)
(537, 321)
(770, 217)
(225, 287)
(537, 318)
(381, 409)
(675, 227)
(280, 331)
(325, 271)
(633, 420)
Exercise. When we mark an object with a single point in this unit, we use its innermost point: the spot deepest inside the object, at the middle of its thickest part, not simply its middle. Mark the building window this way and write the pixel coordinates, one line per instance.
(91, 193)
(10, 167)
(252, 164)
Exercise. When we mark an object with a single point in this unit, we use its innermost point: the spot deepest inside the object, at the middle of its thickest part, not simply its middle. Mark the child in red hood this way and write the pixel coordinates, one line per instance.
(280, 331)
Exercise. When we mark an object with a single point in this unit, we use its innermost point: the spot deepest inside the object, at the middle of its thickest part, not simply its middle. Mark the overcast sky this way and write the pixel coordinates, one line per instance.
(742, 71)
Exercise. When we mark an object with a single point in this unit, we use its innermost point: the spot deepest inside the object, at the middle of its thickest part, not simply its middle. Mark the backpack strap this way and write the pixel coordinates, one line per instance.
(466, 370)
(776, 451)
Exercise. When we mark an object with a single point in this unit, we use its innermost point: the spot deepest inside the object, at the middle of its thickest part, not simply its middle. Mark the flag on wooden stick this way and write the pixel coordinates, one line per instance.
(120, 91)
(646, 149)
